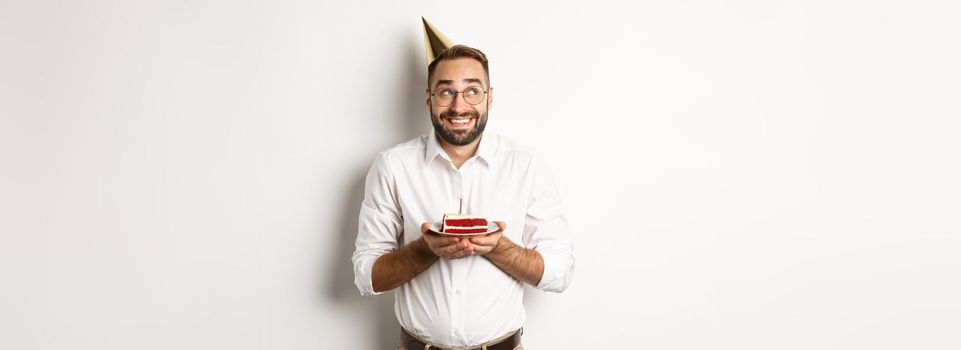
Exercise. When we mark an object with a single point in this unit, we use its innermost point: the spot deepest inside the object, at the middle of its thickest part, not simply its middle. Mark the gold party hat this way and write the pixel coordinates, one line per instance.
(434, 41)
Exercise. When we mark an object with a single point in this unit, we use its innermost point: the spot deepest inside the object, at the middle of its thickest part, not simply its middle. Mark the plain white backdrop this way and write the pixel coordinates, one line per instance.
(739, 174)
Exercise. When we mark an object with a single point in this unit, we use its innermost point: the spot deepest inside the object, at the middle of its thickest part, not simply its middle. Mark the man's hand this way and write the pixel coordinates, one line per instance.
(444, 246)
(485, 244)
(525, 265)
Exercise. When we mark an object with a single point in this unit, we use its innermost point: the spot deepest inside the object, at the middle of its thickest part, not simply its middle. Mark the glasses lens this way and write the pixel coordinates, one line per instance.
(474, 95)
(445, 97)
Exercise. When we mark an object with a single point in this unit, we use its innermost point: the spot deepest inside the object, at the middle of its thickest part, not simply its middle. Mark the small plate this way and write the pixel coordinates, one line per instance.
(491, 228)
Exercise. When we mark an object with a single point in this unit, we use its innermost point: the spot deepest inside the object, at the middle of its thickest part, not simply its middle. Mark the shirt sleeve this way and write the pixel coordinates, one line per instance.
(546, 230)
(380, 223)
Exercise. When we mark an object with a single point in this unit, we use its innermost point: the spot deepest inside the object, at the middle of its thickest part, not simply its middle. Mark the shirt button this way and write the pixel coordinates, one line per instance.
(457, 291)
(457, 332)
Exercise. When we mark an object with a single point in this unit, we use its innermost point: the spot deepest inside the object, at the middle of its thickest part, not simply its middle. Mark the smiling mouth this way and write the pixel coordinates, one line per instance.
(459, 121)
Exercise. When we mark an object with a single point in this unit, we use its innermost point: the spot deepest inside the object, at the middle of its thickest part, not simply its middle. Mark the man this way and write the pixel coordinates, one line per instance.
(460, 292)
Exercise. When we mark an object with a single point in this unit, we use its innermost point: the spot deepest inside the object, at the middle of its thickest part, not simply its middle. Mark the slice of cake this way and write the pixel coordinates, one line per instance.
(461, 224)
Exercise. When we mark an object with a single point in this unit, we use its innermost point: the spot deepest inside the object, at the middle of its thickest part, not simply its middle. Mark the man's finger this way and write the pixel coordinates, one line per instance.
(443, 241)
(487, 240)
(459, 253)
(424, 227)
(463, 252)
(456, 255)
(450, 249)
(480, 241)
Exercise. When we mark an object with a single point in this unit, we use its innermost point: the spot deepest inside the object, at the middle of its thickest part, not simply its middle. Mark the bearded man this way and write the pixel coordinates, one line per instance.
(452, 291)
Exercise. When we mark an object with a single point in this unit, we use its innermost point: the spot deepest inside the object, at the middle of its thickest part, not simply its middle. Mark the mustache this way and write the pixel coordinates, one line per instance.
(452, 114)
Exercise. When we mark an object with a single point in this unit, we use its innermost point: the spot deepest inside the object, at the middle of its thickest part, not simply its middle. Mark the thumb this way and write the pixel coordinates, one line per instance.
(502, 225)
(424, 227)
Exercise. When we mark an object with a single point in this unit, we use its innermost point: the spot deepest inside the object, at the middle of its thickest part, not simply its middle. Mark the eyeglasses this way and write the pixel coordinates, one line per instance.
(445, 97)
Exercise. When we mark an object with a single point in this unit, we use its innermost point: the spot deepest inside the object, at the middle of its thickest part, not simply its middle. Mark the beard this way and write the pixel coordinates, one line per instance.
(459, 138)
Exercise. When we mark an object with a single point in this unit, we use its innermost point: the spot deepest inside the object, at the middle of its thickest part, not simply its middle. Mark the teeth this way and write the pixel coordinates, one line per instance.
(459, 121)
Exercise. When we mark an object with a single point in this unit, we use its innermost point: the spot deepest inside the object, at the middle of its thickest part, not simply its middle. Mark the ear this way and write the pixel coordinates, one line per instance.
(427, 99)
(490, 98)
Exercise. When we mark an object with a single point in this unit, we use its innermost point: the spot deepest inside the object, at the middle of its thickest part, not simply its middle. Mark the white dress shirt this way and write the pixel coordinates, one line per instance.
(467, 301)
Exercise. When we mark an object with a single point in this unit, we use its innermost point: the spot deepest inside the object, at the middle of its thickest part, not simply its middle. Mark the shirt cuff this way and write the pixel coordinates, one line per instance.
(363, 275)
(558, 269)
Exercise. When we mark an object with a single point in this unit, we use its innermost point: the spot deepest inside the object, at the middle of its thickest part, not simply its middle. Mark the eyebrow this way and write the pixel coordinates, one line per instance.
(468, 80)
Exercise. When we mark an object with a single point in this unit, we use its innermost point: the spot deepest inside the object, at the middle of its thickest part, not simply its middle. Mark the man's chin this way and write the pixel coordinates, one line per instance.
(458, 141)
(459, 137)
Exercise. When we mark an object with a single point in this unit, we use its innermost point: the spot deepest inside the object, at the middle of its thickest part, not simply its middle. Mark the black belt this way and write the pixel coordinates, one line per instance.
(509, 343)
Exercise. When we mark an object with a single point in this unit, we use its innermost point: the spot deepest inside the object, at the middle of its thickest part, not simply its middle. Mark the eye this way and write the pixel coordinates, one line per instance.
(474, 91)
(447, 92)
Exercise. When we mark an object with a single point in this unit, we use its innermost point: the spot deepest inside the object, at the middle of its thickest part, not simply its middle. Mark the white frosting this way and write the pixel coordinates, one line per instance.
(461, 217)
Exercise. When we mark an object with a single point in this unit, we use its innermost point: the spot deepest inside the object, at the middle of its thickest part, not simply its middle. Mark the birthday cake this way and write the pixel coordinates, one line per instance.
(464, 224)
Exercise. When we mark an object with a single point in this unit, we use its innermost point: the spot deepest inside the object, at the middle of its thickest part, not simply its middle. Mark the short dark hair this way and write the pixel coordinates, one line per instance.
(459, 51)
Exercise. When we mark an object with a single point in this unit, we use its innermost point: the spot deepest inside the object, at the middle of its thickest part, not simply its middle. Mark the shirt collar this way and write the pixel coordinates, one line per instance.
(433, 148)
(485, 150)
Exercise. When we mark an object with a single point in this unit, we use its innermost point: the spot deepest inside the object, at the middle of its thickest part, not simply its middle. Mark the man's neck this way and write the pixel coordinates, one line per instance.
(460, 154)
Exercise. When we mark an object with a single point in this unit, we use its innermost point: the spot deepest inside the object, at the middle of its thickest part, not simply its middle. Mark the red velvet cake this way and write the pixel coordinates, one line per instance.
(464, 224)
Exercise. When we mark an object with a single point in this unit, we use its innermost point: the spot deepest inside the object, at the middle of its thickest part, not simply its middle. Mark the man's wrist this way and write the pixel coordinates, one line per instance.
(422, 250)
(502, 246)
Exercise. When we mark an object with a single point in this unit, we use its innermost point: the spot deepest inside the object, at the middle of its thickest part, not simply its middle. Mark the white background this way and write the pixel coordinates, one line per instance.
(739, 174)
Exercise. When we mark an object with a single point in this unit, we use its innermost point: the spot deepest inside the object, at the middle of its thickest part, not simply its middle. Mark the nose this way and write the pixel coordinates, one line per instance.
(460, 103)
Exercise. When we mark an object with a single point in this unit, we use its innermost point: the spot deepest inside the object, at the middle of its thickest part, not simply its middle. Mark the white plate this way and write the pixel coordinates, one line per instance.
(491, 228)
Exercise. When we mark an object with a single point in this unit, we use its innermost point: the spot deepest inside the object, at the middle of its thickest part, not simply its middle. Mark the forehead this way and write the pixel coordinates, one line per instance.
(457, 70)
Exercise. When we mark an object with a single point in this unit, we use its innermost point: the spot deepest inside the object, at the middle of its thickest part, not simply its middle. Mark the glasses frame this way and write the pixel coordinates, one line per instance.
(461, 93)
